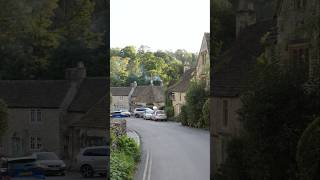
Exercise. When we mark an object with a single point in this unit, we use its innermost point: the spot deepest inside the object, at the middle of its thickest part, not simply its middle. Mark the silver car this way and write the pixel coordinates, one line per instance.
(93, 160)
(159, 115)
(147, 114)
(49, 163)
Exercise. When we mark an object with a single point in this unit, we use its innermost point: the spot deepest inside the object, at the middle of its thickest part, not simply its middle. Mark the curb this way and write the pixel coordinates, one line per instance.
(135, 136)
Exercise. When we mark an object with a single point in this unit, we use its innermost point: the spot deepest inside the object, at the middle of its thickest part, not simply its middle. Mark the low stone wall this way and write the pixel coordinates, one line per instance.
(119, 126)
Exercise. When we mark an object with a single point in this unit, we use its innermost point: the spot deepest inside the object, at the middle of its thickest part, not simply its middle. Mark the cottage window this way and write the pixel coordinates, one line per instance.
(180, 96)
(35, 143)
(299, 55)
(121, 98)
(35, 115)
(225, 112)
(173, 96)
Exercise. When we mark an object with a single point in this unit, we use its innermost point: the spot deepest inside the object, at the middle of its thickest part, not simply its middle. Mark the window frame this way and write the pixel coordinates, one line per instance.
(36, 116)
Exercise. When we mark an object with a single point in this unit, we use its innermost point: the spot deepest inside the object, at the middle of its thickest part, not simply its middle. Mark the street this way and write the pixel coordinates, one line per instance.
(171, 151)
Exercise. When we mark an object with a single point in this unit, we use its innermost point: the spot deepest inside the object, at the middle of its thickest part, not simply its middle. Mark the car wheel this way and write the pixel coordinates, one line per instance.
(63, 173)
(86, 171)
(136, 115)
(103, 174)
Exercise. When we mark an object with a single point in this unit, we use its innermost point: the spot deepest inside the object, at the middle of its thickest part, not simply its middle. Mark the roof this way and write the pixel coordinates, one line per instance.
(90, 92)
(231, 70)
(33, 93)
(120, 91)
(207, 37)
(183, 83)
(149, 94)
(96, 117)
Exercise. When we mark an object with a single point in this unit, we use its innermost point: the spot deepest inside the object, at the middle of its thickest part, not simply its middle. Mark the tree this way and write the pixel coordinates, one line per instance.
(3, 117)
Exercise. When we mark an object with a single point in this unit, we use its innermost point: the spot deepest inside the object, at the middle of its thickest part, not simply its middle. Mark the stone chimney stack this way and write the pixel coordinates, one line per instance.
(246, 15)
(151, 82)
(76, 74)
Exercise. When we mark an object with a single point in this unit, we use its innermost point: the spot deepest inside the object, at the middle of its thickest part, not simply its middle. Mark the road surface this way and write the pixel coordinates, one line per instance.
(171, 151)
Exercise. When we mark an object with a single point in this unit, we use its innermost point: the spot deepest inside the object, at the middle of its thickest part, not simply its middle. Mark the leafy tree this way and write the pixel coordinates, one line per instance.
(3, 117)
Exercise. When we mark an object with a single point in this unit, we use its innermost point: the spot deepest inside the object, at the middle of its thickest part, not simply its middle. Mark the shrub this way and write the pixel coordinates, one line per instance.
(122, 166)
(169, 111)
(206, 114)
(308, 152)
(129, 147)
(183, 117)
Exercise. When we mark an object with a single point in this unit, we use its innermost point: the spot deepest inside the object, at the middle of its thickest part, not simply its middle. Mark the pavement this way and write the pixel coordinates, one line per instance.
(171, 151)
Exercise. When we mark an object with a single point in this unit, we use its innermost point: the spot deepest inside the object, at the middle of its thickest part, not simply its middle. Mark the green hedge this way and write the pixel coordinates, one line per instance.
(125, 155)
(169, 111)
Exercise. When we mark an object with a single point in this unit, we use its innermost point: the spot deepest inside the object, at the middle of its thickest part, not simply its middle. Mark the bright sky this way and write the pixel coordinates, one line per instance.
(159, 24)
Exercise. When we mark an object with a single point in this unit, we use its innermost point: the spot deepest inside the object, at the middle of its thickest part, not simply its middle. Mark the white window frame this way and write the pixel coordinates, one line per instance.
(36, 144)
(34, 116)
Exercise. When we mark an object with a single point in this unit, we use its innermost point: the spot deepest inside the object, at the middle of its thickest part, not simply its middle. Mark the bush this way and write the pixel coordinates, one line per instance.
(205, 123)
(169, 111)
(195, 98)
(125, 154)
(308, 152)
(183, 117)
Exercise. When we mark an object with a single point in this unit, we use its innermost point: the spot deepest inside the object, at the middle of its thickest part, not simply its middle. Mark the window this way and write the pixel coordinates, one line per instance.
(225, 112)
(299, 4)
(173, 96)
(180, 96)
(299, 55)
(35, 115)
(121, 98)
(35, 143)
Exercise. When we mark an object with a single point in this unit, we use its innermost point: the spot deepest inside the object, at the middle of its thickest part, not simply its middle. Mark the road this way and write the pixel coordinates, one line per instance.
(171, 151)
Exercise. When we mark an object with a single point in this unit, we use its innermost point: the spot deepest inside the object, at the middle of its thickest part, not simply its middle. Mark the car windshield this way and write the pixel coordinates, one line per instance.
(140, 109)
(160, 112)
(47, 156)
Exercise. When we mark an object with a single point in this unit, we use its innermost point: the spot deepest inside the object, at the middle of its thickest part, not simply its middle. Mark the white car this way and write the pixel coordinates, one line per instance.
(138, 112)
(93, 160)
(159, 115)
(49, 163)
(147, 114)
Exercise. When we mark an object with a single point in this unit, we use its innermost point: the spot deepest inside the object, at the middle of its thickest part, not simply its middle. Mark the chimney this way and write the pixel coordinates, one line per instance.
(246, 15)
(151, 82)
(77, 73)
(134, 84)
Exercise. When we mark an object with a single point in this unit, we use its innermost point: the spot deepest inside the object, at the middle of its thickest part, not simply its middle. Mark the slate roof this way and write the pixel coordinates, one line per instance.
(231, 70)
(120, 91)
(149, 94)
(96, 117)
(90, 92)
(33, 93)
(183, 83)
(207, 36)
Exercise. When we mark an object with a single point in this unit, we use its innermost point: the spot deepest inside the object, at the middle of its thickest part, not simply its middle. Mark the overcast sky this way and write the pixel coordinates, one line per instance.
(159, 24)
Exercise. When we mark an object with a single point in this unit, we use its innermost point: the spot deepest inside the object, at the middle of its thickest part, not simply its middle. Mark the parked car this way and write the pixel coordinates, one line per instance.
(159, 115)
(125, 112)
(147, 114)
(50, 163)
(93, 160)
(117, 114)
(138, 112)
(23, 167)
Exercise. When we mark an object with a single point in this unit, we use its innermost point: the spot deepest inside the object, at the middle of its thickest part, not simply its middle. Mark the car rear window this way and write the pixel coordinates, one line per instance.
(47, 156)
(140, 109)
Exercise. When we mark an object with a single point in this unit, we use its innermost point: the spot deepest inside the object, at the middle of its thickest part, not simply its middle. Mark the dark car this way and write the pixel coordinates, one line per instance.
(24, 167)
(117, 114)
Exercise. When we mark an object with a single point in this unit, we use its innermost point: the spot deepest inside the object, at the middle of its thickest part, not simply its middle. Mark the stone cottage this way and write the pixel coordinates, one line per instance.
(177, 92)
(121, 97)
(47, 115)
(203, 61)
(230, 75)
(148, 96)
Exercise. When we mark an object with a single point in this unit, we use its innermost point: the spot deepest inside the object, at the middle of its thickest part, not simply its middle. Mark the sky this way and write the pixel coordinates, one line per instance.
(159, 24)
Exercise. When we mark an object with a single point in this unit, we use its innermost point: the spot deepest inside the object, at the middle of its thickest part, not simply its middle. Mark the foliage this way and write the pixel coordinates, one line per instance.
(39, 40)
(183, 117)
(196, 97)
(3, 117)
(206, 114)
(143, 65)
(275, 111)
(308, 152)
(125, 154)
(169, 111)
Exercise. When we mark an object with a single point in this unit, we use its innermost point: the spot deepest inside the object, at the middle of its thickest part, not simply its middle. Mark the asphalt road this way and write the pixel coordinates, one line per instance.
(171, 151)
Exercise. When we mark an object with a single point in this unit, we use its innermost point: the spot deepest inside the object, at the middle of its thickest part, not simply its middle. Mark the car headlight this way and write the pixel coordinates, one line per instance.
(63, 165)
(40, 165)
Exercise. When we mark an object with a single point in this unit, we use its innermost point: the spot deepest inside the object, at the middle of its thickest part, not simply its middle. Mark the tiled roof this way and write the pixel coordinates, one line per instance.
(33, 93)
(231, 70)
(183, 83)
(207, 36)
(149, 94)
(120, 91)
(90, 92)
(96, 117)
